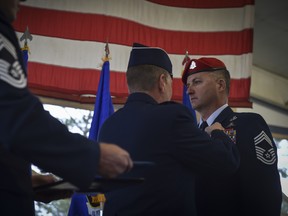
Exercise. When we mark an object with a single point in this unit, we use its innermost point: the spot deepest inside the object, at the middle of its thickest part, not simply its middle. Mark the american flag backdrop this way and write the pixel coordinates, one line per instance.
(69, 37)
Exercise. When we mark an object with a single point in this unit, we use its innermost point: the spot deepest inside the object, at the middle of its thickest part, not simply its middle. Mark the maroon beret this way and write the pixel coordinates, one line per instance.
(201, 65)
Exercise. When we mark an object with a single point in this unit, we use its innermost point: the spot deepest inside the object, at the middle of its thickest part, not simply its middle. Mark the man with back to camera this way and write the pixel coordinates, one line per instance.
(153, 129)
(29, 134)
(255, 188)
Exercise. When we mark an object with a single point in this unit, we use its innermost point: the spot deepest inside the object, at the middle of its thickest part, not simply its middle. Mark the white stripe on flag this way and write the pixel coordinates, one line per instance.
(158, 16)
(85, 54)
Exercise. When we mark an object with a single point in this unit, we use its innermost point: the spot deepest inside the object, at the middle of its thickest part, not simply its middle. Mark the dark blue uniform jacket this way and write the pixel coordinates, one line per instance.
(28, 134)
(255, 189)
(167, 135)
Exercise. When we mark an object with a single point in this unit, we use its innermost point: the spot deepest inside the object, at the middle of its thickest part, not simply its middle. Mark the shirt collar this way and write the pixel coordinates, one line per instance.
(214, 115)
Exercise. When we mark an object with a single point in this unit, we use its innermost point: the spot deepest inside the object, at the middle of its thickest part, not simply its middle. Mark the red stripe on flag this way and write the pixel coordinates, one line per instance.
(204, 3)
(240, 89)
(93, 27)
(72, 81)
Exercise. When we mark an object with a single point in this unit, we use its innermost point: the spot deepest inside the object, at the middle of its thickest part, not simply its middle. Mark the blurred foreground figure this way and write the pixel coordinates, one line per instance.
(29, 134)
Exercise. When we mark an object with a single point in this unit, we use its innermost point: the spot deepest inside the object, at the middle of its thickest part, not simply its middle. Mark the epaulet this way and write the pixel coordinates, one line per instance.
(247, 114)
(169, 102)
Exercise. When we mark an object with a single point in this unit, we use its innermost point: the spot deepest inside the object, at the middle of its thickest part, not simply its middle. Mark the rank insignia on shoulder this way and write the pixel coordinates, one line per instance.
(264, 149)
(233, 118)
(231, 132)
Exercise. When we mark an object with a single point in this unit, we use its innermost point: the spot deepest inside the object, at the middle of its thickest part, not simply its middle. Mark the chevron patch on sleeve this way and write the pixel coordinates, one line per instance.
(10, 68)
(264, 149)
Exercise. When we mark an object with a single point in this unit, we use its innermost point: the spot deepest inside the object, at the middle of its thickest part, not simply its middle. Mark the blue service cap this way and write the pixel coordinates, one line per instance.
(144, 55)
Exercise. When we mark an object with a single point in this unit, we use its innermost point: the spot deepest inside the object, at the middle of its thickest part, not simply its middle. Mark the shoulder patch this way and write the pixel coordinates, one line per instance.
(11, 71)
(264, 149)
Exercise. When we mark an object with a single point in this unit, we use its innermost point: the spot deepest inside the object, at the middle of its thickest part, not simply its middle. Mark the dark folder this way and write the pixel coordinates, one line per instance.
(99, 185)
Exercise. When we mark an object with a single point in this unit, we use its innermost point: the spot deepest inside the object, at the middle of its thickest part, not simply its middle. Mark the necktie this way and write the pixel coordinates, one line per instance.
(203, 125)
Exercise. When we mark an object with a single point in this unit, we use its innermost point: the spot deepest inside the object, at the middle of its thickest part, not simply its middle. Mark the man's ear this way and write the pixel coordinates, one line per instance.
(162, 82)
(221, 84)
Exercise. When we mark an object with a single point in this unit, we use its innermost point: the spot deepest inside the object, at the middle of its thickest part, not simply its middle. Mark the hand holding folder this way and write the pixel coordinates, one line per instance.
(62, 189)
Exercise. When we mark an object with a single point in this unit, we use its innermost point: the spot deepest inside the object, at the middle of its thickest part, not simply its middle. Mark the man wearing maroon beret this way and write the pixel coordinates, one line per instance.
(255, 189)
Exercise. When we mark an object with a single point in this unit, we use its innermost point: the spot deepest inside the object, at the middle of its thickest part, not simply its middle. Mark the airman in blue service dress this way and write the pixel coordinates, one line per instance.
(165, 134)
(29, 134)
(255, 189)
